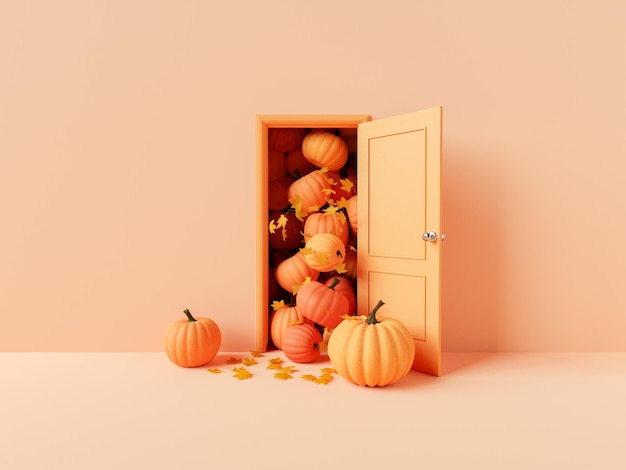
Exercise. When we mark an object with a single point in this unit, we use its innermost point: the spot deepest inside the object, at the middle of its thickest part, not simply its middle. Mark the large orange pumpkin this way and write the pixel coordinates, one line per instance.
(192, 342)
(292, 272)
(322, 304)
(324, 252)
(371, 351)
(325, 150)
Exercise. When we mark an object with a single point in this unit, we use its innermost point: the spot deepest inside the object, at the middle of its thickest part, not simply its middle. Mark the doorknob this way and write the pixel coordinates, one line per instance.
(430, 236)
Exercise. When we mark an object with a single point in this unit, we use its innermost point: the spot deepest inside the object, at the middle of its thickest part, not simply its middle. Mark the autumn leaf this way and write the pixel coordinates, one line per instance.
(296, 205)
(313, 209)
(257, 353)
(340, 268)
(282, 221)
(323, 379)
(346, 185)
(342, 203)
(272, 226)
(277, 305)
(330, 210)
(323, 170)
(275, 364)
(342, 217)
(233, 360)
(249, 361)
(306, 250)
(241, 373)
(328, 191)
(328, 370)
(283, 375)
(215, 370)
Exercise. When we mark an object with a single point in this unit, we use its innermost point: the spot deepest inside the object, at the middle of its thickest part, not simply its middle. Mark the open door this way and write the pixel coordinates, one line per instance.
(399, 207)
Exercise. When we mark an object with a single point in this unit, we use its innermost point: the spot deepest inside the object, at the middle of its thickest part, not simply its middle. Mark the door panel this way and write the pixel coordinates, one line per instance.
(399, 174)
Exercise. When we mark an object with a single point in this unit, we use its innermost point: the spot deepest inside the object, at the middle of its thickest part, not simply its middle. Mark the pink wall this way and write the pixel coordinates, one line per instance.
(127, 159)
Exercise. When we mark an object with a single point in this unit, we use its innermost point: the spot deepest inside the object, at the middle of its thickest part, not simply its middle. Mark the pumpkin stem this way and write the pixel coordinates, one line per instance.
(371, 318)
(298, 173)
(189, 316)
(334, 283)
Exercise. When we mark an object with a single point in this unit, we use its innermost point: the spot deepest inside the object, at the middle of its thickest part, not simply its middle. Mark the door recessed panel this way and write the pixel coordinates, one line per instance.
(404, 297)
(396, 188)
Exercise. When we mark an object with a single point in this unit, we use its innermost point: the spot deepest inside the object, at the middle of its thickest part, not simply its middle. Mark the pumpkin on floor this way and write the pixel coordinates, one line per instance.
(192, 342)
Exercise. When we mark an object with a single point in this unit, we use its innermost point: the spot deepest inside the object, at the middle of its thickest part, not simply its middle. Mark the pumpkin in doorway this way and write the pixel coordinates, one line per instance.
(324, 252)
(301, 343)
(325, 150)
(322, 304)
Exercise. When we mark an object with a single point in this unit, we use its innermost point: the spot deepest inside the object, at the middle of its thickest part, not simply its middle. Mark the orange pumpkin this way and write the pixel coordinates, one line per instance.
(325, 150)
(309, 192)
(281, 319)
(192, 342)
(322, 304)
(371, 351)
(324, 252)
(344, 286)
(292, 272)
(301, 343)
(327, 222)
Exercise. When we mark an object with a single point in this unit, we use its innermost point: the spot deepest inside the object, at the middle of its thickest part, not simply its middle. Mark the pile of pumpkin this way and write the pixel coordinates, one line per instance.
(313, 225)
(312, 242)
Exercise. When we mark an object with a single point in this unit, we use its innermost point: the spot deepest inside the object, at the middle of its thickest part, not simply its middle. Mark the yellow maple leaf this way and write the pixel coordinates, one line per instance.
(312, 209)
(283, 375)
(346, 185)
(296, 205)
(272, 226)
(328, 370)
(233, 360)
(277, 305)
(306, 250)
(282, 221)
(215, 370)
(323, 379)
(250, 361)
(342, 217)
(340, 268)
(342, 203)
(241, 373)
(257, 353)
(323, 170)
(275, 364)
(330, 210)
(328, 191)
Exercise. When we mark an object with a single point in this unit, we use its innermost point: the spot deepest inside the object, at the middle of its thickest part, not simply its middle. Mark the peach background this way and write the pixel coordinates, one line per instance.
(127, 172)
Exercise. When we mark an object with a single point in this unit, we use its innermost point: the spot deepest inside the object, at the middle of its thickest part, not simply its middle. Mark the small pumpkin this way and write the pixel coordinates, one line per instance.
(292, 272)
(322, 304)
(371, 351)
(192, 342)
(281, 319)
(301, 343)
(324, 252)
(325, 150)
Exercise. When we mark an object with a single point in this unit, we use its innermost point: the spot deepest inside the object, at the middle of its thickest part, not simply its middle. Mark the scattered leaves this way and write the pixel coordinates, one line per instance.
(275, 364)
(257, 353)
(233, 360)
(215, 370)
(280, 375)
